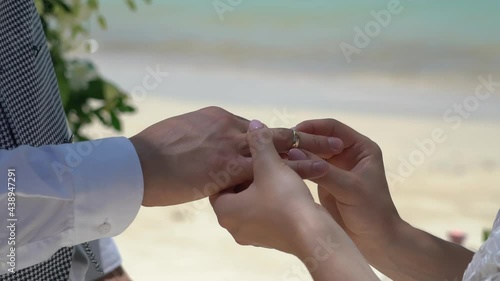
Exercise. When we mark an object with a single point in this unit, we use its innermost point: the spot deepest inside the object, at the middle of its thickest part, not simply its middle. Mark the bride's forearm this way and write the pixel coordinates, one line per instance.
(329, 254)
(417, 255)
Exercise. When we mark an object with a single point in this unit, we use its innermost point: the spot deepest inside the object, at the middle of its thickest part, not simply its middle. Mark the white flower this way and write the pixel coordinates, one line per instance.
(79, 75)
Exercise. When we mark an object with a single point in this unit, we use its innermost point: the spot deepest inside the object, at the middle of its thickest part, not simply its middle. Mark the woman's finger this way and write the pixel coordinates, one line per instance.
(264, 154)
(342, 184)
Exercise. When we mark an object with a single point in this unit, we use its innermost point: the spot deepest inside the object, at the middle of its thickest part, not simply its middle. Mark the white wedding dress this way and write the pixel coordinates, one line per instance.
(485, 265)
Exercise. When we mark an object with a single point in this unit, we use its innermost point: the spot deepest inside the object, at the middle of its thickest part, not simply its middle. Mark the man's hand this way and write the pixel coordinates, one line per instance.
(192, 156)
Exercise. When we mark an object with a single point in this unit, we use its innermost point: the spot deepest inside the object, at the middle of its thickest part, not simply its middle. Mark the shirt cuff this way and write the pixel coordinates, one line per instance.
(108, 188)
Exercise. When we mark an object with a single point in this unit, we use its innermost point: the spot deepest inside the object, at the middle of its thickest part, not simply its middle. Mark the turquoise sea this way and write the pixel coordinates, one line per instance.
(454, 37)
(422, 61)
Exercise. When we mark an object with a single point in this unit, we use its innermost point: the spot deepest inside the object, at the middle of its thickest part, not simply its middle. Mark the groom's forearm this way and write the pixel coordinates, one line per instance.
(418, 255)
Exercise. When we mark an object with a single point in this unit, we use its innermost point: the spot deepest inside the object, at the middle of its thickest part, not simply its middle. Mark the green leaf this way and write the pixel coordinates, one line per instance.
(486, 234)
(95, 89)
(61, 4)
(101, 118)
(93, 4)
(126, 108)
(103, 102)
(39, 6)
(115, 121)
(65, 92)
(77, 29)
(131, 5)
(102, 22)
(111, 92)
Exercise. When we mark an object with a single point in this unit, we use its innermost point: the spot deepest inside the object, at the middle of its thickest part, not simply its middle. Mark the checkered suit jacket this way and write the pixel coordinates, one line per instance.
(31, 111)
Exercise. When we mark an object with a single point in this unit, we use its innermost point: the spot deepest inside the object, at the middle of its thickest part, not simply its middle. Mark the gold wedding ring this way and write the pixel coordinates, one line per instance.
(296, 139)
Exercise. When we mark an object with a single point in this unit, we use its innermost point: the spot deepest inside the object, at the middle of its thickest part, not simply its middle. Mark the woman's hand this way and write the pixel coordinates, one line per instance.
(275, 205)
(355, 190)
(277, 211)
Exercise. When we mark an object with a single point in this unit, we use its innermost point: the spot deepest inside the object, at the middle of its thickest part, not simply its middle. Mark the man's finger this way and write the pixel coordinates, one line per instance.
(236, 172)
(324, 146)
(242, 122)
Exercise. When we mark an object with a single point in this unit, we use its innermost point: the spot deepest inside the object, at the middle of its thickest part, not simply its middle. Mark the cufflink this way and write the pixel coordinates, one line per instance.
(104, 228)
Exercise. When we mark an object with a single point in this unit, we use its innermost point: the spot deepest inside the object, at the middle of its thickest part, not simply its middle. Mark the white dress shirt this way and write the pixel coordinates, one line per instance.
(66, 195)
